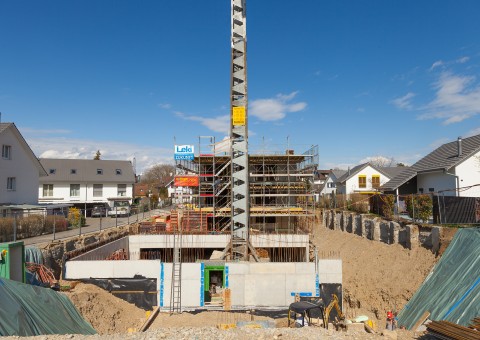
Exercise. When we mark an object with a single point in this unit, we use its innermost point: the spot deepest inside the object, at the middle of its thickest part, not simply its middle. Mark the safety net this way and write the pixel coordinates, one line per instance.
(451, 291)
(27, 310)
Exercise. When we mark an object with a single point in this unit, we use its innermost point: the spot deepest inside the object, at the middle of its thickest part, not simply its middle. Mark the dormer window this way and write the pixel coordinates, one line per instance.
(52, 171)
(99, 171)
(73, 171)
(118, 171)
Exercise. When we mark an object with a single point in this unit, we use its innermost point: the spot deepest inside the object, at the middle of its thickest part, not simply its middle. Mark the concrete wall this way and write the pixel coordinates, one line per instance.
(251, 284)
(390, 232)
(138, 242)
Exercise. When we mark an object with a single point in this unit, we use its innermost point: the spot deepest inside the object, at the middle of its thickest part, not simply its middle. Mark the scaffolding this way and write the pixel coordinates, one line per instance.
(281, 198)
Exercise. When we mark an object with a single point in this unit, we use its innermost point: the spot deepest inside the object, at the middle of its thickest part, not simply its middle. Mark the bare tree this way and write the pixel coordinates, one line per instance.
(381, 161)
(157, 177)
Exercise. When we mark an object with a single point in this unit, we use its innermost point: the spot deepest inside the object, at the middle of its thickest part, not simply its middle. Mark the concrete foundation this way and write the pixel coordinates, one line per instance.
(251, 284)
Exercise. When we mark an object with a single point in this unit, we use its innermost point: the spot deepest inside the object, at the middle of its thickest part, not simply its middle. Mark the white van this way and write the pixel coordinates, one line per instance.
(119, 208)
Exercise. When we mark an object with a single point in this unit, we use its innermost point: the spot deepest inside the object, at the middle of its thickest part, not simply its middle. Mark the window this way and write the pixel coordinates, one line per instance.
(97, 190)
(431, 189)
(73, 171)
(6, 152)
(122, 190)
(420, 190)
(75, 190)
(99, 171)
(52, 171)
(118, 171)
(362, 181)
(47, 190)
(11, 184)
(375, 181)
(330, 185)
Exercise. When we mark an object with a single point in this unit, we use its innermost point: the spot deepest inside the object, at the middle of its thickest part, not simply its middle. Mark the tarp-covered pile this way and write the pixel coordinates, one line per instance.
(27, 310)
(452, 290)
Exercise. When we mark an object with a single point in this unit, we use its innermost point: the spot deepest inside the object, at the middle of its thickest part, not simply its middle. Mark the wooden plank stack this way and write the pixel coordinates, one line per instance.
(449, 330)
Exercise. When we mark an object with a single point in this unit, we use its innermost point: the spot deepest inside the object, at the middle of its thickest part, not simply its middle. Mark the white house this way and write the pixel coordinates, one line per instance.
(453, 169)
(365, 179)
(330, 184)
(86, 182)
(20, 170)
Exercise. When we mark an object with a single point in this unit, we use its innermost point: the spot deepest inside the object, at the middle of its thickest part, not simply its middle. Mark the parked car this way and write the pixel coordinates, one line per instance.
(99, 211)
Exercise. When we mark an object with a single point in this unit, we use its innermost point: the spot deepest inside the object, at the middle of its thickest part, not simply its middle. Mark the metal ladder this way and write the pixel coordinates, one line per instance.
(176, 292)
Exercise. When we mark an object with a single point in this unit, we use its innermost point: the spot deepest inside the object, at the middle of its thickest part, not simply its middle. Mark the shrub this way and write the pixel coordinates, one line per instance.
(419, 206)
(388, 205)
(75, 218)
(358, 203)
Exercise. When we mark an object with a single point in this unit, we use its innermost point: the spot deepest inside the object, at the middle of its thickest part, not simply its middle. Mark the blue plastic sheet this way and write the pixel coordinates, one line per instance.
(27, 310)
(451, 291)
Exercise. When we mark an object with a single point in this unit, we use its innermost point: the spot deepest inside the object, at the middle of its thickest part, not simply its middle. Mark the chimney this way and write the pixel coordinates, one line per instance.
(459, 145)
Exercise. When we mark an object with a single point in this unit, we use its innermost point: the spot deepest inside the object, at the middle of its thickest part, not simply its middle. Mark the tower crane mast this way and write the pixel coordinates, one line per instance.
(239, 132)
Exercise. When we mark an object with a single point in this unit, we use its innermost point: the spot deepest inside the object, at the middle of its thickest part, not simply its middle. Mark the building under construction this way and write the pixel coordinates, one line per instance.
(242, 237)
(280, 195)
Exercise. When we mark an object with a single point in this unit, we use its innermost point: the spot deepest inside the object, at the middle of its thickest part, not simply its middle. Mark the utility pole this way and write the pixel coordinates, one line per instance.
(240, 212)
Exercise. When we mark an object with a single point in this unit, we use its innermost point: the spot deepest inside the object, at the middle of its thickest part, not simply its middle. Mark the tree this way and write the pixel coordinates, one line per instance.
(381, 161)
(157, 177)
(97, 155)
(400, 164)
(419, 206)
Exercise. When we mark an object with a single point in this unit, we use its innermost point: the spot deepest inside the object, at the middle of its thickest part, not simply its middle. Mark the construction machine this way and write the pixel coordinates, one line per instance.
(340, 319)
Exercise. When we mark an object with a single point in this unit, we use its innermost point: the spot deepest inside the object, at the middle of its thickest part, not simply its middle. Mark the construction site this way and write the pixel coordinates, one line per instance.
(244, 253)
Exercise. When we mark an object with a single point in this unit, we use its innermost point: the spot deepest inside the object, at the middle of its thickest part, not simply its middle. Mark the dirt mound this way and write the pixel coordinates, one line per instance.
(377, 277)
(105, 312)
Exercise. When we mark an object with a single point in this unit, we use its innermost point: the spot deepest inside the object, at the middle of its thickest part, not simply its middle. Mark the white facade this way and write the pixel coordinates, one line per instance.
(64, 193)
(464, 175)
(19, 169)
(366, 176)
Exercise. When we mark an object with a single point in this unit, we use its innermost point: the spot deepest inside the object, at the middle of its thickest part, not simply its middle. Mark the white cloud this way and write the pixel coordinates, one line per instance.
(457, 99)
(218, 124)
(165, 106)
(463, 60)
(54, 147)
(273, 109)
(473, 132)
(32, 131)
(436, 64)
(404, 102)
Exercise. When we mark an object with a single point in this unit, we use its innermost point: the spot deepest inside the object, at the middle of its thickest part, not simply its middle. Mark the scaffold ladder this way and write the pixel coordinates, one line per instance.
(176, 291)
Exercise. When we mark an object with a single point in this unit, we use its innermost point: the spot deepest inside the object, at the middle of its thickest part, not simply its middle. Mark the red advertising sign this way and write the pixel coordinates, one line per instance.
(186, 181)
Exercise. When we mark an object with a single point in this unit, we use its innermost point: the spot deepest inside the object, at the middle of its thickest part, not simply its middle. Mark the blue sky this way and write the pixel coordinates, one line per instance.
(359, 78)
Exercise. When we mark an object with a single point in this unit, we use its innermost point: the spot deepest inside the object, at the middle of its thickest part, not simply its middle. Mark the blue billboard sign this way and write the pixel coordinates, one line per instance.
(184, 153)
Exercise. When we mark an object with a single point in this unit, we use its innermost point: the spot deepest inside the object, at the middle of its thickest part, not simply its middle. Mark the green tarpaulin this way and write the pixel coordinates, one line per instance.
(452, 290)
(27, 310)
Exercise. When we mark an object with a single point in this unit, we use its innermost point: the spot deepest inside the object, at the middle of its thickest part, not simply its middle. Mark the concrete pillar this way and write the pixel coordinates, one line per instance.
(394, 233)
(324, 217)
(331, 224)
(412, 236)
(338, 220)
(376, 229)
(435, 236)
(367, 228)
(349, 221)
(358, 225)
(384, 227)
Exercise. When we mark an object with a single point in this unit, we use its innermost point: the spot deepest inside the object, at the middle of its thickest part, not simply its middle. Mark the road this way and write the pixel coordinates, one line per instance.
(92, 225)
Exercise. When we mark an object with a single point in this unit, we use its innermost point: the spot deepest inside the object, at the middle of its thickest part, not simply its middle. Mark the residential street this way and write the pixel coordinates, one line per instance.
(92, 225)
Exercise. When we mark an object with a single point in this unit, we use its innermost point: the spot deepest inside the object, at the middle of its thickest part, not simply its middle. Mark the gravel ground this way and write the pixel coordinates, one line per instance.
(244, 333)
